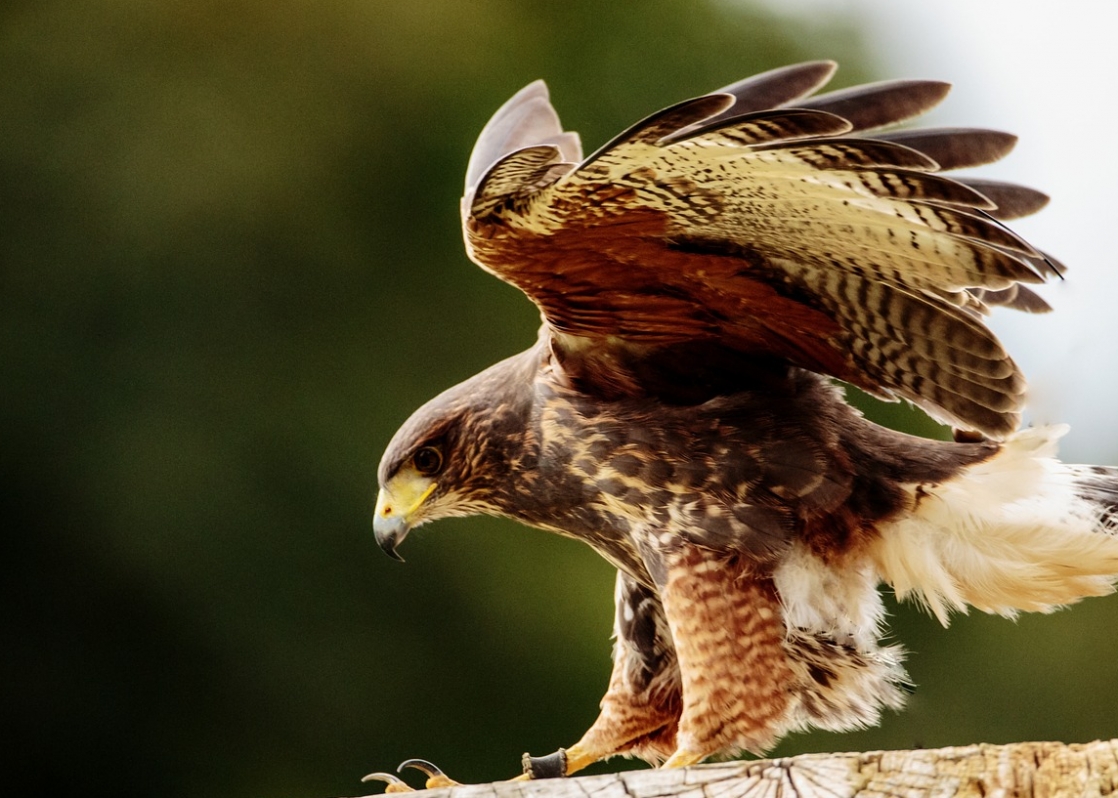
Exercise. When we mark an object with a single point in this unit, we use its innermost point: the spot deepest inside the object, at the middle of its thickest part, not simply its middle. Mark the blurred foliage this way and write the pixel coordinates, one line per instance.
(231, 266)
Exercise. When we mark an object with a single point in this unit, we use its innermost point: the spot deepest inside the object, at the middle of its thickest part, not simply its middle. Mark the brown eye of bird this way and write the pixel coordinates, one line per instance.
(428, 461)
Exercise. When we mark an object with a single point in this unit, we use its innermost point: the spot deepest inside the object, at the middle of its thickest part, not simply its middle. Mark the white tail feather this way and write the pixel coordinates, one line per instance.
(1008, 534)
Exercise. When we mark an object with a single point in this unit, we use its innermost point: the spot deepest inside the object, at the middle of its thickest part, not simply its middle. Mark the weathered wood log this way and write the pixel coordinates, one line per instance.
(1037, 770)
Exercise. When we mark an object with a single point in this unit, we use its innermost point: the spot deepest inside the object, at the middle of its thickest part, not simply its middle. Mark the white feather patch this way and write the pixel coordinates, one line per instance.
(840, 603)
(1005, 535)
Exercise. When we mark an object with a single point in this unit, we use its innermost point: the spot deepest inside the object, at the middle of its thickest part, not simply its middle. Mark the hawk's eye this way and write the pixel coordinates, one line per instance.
(428, 461)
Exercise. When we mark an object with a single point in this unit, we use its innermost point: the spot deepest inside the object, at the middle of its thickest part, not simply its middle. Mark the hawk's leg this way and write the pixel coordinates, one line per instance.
(640, 710)
(729, 633)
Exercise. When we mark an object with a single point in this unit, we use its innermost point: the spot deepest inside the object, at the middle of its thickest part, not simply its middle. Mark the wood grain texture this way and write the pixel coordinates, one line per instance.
(1042, 769)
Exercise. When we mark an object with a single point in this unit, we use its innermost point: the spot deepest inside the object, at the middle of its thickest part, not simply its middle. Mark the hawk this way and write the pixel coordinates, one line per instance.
(703, 279)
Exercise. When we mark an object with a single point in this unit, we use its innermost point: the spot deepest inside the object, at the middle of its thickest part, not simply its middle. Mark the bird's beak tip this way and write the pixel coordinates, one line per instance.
(395, 555)
(390, 533)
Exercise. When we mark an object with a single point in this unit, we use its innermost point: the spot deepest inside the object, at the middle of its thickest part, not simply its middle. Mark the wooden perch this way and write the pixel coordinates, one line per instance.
(1043, 770)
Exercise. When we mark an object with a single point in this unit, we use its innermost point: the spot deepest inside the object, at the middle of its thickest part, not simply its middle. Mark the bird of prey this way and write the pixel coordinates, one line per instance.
(703, 279)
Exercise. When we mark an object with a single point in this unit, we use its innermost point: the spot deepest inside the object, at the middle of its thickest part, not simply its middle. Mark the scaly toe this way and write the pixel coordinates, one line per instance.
(682, 759)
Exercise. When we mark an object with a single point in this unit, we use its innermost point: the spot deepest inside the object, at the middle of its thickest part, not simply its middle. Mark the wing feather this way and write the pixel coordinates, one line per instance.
(856, 152)
(666, 122)
(517, 176)
(876, 105)
(780, 86)
(761, 127)
(955, 147)
(527, 119)
(753, 219)
(1012, 201)
(774, 88)
(1016, 297)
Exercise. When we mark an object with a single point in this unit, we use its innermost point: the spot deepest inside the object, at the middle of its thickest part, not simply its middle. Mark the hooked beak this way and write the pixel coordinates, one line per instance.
(390, 532)
(397, 505)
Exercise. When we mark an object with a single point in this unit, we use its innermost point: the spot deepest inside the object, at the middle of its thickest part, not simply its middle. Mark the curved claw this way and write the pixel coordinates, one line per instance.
(395, 783)
(435, 776)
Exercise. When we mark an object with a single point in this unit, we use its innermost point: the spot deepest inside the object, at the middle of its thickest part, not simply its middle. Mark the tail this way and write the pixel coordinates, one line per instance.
(1020, 531)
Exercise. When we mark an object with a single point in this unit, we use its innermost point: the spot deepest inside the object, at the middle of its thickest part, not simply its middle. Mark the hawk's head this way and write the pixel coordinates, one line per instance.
(453, 456)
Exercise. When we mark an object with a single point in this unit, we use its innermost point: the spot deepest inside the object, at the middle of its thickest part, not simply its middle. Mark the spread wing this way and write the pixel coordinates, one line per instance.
(755, 221)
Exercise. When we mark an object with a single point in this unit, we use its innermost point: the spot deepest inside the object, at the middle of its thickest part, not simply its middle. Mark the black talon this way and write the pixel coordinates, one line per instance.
(435, 777)
(387, 778)
(552, 766)
(423, 766)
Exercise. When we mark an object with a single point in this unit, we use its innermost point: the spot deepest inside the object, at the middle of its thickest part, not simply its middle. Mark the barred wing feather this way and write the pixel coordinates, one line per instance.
(756, 220)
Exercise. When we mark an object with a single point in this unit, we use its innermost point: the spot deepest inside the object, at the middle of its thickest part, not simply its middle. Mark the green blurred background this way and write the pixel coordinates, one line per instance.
(231, 267)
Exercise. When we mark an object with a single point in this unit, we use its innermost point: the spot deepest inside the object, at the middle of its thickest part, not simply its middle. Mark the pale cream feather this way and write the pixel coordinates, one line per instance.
(1005, 535)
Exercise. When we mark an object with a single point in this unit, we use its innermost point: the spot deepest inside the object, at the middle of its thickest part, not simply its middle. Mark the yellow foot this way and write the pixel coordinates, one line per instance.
(563, 762)
(435, 777)
(682, 758)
